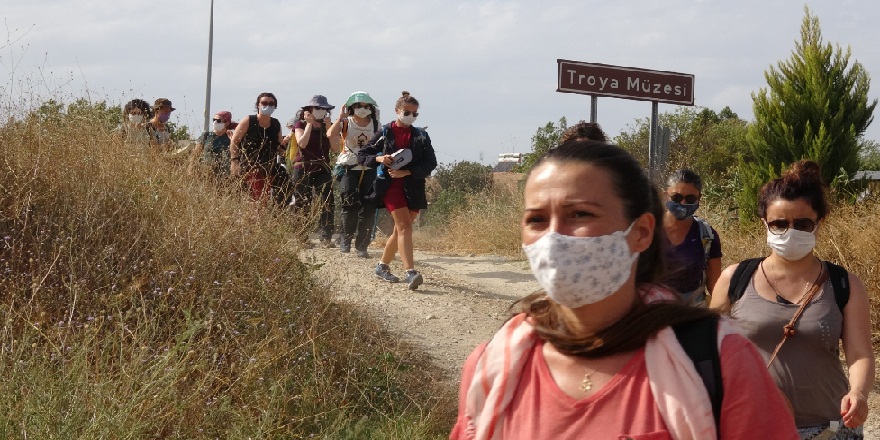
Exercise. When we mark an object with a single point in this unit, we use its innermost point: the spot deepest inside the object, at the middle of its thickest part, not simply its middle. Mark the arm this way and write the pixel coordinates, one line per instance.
(720, 300)
(426, 165)
(235, 147)
(371, 153)
(752, 401)
(282, 145)
(859, 355)
(459, 430)
(713, 272)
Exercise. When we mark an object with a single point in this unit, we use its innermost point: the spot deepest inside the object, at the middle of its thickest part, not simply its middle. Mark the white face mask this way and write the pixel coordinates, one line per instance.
(319, 113)
(135, 119)
(219, 126)
(407, 120)
(362, 112)
(267, 109)
(793, 245)
(576, 271)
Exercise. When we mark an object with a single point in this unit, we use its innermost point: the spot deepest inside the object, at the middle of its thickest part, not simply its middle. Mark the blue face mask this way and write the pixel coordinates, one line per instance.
(681, 212)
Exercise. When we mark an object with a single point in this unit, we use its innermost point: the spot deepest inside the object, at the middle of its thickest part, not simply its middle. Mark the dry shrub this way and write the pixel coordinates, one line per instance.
(488, 223)
(138, 301)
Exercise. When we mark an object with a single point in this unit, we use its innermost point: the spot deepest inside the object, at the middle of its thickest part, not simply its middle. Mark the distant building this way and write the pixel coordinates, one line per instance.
(871, 180)
(507, 162)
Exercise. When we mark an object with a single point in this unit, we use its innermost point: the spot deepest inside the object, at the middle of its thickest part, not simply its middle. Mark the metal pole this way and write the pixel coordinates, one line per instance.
(594, 108)
(653, 142)
(210, 60)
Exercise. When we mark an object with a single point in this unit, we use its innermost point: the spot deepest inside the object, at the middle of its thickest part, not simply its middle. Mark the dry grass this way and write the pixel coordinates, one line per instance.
(139, 302)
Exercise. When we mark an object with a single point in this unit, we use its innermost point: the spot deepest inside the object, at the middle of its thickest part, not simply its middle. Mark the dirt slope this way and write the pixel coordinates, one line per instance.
(464, 300)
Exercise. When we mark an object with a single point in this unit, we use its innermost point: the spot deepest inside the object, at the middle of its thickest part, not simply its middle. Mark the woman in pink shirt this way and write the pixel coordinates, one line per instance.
(593, 355)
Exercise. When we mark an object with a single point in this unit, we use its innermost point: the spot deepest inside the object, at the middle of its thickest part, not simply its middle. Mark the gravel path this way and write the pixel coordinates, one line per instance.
(464, 300)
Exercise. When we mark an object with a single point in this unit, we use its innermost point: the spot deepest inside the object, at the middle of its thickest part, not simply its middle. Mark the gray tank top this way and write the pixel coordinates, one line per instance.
(807, 368)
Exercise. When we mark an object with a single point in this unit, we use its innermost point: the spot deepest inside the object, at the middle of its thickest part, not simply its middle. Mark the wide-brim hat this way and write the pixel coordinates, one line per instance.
(362, 97)
(163, 102)
(319, 101)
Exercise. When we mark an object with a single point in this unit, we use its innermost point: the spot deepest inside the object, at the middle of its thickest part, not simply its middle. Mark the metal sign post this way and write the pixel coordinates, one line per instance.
(628, 83)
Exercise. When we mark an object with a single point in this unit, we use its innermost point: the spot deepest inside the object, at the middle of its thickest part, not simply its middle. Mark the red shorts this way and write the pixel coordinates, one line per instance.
(395, 198)
(258, 183)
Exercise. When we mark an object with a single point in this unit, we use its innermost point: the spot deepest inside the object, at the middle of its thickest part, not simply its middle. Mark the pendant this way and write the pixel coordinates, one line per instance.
(586, 384)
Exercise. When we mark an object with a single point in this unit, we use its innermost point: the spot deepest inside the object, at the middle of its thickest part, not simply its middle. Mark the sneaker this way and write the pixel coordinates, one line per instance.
(345, 248)
(414, 279)
(363, 254)
(383, 272)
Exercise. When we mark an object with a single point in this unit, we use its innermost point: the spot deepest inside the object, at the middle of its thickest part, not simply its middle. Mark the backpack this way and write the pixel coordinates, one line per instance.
(746, 268)
(699, 339)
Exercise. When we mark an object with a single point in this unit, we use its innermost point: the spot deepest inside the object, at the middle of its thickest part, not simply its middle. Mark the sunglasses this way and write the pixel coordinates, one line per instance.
(689, 199)
(267, 103)
(360, 106)
(217, 120)
(407, 113)
(779, 227)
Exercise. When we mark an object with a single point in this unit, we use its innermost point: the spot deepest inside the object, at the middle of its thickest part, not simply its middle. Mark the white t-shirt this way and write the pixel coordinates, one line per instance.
(355, 139)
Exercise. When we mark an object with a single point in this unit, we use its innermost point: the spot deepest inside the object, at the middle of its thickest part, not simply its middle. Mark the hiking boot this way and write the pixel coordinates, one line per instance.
(383, 272)
(414, 279)
(363, 254)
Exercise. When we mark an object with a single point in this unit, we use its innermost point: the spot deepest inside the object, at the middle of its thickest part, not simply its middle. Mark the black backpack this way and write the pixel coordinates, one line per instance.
(746, 268)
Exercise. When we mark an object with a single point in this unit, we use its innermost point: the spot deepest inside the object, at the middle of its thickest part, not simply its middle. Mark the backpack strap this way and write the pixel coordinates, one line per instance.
(840, 283)
(699, 339)
(706, 236)
(741, 277)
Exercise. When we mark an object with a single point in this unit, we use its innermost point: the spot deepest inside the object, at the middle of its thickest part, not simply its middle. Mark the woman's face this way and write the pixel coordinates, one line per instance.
(687, 191)
(791, 213)
(575, 199)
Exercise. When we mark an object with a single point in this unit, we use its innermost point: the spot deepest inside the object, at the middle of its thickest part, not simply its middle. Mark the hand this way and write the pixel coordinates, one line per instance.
(384, 159)
(235, 168)
(327, 121)
(343, 112)
(853, 409)
(309, 118)
(397, 174)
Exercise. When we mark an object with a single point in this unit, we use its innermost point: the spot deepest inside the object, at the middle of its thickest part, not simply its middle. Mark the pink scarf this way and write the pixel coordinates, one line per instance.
(681, 397)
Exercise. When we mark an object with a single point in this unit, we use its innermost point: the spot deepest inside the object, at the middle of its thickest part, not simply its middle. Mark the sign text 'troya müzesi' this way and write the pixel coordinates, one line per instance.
(625, 82)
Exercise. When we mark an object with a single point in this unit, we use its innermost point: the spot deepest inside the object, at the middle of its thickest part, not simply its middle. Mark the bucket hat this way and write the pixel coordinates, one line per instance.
(319, 101)
(363, 97)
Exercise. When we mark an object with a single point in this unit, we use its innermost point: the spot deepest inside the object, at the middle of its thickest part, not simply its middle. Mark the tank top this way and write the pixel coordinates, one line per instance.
(807, 368)
(356, 137)
(260, 145)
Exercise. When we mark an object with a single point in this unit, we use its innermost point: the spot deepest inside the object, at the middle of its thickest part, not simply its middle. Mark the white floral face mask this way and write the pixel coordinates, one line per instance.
(576, 271)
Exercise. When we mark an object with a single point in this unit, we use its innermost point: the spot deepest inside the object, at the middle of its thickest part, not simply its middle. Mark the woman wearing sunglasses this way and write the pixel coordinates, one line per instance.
(691, 247)
(212, 147)
(407, 158)
(792, 307)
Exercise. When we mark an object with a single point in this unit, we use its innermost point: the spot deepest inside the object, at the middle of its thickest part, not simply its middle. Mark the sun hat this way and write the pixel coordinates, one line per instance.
(363, 97)
(163, 102)
(319, 101)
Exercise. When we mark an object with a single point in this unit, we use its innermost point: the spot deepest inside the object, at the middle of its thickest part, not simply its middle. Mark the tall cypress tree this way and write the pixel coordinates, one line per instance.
(816, 108)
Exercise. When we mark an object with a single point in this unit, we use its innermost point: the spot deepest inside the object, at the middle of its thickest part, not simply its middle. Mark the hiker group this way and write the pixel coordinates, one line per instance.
(376, 165)
(624, 341)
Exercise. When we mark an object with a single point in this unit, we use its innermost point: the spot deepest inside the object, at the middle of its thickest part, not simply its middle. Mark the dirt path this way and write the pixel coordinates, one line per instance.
(464, 300)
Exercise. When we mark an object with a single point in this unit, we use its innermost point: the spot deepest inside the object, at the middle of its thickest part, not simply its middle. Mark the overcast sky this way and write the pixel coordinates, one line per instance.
(485, 72)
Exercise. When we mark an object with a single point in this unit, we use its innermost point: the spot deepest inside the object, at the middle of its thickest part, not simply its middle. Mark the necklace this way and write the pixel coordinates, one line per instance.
(587, 383)
(806, 290)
